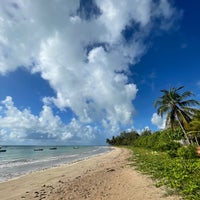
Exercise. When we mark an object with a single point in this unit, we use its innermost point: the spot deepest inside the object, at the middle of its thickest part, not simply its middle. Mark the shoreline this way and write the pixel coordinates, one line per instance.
(65, 163)
(108, 176)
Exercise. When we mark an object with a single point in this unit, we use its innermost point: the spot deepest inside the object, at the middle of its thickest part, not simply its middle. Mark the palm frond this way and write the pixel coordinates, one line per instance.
(162, 110)
(190, 102)
(179, 88)
(157, 103)
(183, 116)
(187, 94)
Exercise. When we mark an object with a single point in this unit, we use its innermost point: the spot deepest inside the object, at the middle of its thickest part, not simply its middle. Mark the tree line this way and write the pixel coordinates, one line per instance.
(182, 116)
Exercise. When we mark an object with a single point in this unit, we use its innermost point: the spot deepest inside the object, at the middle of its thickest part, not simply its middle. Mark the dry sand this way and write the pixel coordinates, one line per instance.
(107, 177)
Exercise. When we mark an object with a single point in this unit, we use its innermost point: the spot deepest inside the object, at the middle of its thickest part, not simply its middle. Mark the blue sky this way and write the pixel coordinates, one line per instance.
(78, 72)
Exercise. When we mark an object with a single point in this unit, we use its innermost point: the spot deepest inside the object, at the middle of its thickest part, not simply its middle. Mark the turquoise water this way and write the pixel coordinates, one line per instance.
(20, 160)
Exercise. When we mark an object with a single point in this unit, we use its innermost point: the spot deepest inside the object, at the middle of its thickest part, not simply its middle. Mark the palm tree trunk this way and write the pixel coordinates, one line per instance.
(196, 140)
(187, 139)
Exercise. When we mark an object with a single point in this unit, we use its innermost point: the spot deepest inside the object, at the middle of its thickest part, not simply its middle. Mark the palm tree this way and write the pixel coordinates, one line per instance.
(177, 108)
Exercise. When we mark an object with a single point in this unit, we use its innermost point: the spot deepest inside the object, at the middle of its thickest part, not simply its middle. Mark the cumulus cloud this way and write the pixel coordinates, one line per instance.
(158, 121)
(82, 53)
(19, 125)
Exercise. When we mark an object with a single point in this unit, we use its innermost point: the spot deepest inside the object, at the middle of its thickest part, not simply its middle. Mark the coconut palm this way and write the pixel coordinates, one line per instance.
(177, 107)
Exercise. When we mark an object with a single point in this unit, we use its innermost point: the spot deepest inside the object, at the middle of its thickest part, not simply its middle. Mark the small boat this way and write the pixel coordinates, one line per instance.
(75, 147)
(2, 150)
(53, 148)
(38, 149)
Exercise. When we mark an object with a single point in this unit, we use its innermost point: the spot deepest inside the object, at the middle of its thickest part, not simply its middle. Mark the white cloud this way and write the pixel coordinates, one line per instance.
(81, 59)
(158, 121)
(19, 125)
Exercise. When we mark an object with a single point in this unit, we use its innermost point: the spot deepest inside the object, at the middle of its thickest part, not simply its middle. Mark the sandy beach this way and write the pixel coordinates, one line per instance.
(108, 176)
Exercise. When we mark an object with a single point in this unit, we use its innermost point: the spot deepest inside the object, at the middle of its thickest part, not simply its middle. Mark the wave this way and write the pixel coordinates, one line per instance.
(21, 162)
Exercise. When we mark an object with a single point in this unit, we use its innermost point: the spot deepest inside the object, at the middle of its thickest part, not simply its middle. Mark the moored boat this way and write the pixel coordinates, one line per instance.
(38, 149)
(53, 148)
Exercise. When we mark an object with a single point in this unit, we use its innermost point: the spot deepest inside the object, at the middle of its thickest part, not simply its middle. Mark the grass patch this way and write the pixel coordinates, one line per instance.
(181, 175)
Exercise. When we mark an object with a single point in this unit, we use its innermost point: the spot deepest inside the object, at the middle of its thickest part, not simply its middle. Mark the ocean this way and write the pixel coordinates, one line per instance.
(21, 160)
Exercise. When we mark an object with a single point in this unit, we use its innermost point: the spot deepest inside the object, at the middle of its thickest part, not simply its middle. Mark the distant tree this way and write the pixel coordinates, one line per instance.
(146, 132)
(108, 141)
(125, 138)
(177, 107)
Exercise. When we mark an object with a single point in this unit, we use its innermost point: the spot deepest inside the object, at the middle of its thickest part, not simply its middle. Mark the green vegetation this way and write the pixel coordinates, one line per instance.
(167, 141)
(177, 108)
(169, 155)
(125, 138)
(180, 174)
(194, 127)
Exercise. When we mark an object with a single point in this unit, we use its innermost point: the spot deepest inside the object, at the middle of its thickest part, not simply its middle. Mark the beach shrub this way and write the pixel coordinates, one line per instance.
(148, 141)
(172, 153)
(159, 141)
(188, 152)
(181, 175)
(166, 146)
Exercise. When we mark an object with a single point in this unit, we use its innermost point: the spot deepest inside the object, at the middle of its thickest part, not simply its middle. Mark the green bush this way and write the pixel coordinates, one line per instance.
(172, 153)
(159, 141)
(188, 152)
(181, 175)
(170, 145)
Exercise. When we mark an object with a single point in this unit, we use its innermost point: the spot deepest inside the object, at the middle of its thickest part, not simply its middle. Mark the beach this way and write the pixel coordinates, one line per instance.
(108, 176)
(21, 160)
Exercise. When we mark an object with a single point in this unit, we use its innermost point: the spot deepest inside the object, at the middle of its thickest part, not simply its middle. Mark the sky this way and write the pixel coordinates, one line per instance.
(77, 72)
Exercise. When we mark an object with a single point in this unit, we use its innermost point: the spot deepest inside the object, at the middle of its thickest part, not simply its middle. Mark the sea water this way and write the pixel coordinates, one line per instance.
(20, 160)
